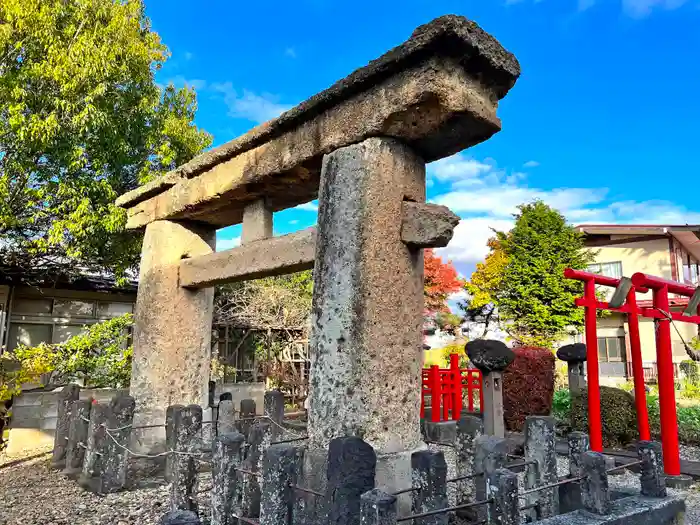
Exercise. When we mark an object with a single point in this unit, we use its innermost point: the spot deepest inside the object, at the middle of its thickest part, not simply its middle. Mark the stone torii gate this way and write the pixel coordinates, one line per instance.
(361, 147)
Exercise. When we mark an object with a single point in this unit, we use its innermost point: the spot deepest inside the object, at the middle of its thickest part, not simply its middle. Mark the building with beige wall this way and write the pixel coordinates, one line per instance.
(670, 252)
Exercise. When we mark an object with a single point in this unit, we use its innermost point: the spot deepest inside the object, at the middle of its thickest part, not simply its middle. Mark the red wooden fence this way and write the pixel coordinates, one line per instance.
(445, 386)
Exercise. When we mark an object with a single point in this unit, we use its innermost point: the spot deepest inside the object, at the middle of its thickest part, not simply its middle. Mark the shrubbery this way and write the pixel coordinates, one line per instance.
(97, 357)
(528, 386)
(618, 415)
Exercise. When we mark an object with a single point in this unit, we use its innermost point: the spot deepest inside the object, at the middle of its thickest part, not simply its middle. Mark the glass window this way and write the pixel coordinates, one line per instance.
(114, 309)
(28, 334)
(63, 332)
(31, 306)
(611, 349)
(608, 269)
(72, 308)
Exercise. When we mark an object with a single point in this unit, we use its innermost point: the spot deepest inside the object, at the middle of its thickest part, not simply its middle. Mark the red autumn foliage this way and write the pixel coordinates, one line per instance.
(439, 282)
(528, 386)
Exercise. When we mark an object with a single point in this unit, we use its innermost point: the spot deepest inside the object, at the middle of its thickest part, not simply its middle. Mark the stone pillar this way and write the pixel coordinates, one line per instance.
(259, 440)
(351, 472)
(575, 357)
(274, 409)
(540, 448)
(652, 477)
(377, 508)
(246, 415)
(595, 493)
(578, 444)
(226, 417)
(257, 222)
(429, 474)
(77, 436)
(115, 458)
(66, 396)
(366, 341)
(227, 455)
(95, 448)
(490, 454)
(503, 492)
(187, 424)
(172, 328)
(469, 428)
(281, 465)
(492, 358)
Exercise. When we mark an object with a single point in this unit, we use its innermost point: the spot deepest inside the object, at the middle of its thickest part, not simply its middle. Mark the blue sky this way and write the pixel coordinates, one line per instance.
(602, 124)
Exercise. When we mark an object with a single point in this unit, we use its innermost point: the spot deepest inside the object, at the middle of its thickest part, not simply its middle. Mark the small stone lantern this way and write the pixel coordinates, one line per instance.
(491, 358)
(575, 357)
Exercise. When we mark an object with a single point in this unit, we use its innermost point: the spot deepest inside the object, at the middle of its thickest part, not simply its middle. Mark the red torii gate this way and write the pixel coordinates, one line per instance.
(625, 301)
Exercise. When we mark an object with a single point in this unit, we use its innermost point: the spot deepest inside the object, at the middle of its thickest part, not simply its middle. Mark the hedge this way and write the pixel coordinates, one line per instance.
(528, 386)
(618, 415)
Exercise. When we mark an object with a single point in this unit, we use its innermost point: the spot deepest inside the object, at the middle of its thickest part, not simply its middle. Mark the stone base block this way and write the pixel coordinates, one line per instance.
(394, 474)
(441, 432)
(678, 482)
(634, 510)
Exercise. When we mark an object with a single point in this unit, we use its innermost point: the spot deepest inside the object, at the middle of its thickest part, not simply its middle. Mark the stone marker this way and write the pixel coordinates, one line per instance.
(429, 473)
(540, 447)
(595, 493)
(259, 439)
(274, 409)
(95, 448)
(377, 508)
(212, 394)
(280, 469)
(227, 456)
(226, 422)
(226, 396)
(492, 358)
(115, 455)
(578, 444)
(503, 491)
(351, 471)
(246, 416)
(575, 356)
(187, 425)
(652, 477)
(77, 436)
(490, 454)
(469, 428)
(66, 396)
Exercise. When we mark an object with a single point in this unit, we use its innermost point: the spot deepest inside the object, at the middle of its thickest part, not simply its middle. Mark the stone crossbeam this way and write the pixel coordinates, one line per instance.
(437, 92)
(423, 225)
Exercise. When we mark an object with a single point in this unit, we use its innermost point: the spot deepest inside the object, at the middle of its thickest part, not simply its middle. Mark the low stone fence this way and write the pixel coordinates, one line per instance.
(34, 413)
(258, 471)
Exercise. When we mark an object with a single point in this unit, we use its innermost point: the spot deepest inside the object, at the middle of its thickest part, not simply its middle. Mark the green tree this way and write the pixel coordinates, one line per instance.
(533, 295)
(82, 120)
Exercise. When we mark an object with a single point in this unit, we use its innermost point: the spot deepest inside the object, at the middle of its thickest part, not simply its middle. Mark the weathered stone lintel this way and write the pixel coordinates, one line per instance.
(436, 107)
(264, 258)
(427, 225)
(449, 35)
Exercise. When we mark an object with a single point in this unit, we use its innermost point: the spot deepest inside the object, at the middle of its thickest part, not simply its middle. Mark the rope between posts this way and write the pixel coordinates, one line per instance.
(197, 455)
(446, 509)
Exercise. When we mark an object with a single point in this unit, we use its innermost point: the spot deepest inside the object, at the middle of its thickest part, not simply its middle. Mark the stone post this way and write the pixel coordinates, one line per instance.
(367, 316)
(180, 517)
(77, 436)
(502, 490)
(540, 448)
(492, 358)
(211, 403)
(116, 457)
(172, 328)
(575, 357)
(490, 454)
(274, 409)
(652, 477)
(187, 425)
(377, 508)
(429, 474)
(280, 470)
(227, 456)
(578, 444)
(66, 396)
(170, 439)
(246, 415)
(351, 472)
(595, 493)
(226, 414)
(95, 448)
(469, 428)
(259, 440)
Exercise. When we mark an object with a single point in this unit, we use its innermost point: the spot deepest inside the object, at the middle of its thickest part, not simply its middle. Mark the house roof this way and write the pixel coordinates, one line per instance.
(60, 279)
(688, 235)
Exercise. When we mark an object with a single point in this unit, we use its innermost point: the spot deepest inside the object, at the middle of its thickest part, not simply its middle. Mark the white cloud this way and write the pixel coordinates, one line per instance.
(531, 164)
(632, 8)
(248, 105)
(458, 167)
(290, 52)
(308, 206)
(468, 245)
(227, 244)
(293, 222)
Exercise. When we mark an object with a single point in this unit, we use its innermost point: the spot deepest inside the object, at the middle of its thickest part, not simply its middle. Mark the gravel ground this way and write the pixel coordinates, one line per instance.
(33, 494)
